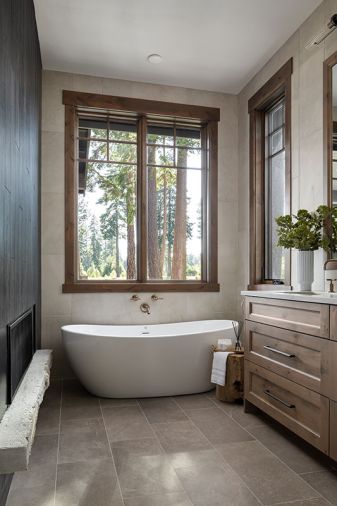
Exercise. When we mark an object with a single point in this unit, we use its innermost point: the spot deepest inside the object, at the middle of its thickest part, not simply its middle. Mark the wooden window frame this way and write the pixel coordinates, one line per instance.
(328, 64)
(208, 118)
(277, 87)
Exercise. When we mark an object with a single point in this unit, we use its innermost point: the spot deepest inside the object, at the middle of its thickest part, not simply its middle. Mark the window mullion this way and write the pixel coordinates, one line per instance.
(142, 200)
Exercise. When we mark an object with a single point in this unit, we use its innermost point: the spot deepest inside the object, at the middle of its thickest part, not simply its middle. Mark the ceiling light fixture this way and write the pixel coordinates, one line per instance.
(154, 59)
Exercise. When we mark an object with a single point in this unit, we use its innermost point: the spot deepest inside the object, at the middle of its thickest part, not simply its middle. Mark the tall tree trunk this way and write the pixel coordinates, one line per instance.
(180, 223)
(118, 268)
(131, 247)
(163, 242)
(153, 247)
(131, 258)
(169, 236)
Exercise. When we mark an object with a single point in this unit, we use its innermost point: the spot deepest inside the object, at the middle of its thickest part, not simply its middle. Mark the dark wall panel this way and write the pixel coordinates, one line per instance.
(20, 99)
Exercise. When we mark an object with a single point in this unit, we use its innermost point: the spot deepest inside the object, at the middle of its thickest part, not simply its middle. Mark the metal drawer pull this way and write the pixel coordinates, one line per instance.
(279, 352)
(287, 404)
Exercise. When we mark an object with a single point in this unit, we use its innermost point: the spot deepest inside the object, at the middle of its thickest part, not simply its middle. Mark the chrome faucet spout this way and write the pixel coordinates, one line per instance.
(145, 308)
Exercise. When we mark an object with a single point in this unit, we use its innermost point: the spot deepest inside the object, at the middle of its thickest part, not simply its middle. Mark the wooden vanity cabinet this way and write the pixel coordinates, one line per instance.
(291, 366)
(306, 317)
(333, 323)
(333, 430)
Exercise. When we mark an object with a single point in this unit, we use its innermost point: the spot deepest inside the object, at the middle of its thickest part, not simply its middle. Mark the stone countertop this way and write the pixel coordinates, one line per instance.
(314, 296)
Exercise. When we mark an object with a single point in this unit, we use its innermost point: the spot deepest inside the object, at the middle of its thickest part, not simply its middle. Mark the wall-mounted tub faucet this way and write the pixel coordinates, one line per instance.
(331, 286)
(145, 308)
(134, 298)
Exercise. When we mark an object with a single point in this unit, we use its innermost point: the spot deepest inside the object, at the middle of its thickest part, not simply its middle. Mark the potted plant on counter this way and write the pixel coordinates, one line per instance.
(328, 217)
(301, 231)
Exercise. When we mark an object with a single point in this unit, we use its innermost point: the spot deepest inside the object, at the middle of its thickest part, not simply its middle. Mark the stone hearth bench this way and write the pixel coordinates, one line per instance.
(17, 427)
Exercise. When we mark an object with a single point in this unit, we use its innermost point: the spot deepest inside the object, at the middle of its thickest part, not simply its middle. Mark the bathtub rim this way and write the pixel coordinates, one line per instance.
(77, 329)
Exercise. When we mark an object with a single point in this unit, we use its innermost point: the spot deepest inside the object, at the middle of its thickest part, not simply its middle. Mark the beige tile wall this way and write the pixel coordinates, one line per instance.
(308, 172)
(58, 308)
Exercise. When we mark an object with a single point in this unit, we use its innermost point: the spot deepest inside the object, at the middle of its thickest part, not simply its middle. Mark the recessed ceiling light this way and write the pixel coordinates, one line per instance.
(154, 58)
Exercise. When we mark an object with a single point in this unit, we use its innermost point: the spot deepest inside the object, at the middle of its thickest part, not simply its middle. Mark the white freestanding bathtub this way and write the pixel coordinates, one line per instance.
(124, 361)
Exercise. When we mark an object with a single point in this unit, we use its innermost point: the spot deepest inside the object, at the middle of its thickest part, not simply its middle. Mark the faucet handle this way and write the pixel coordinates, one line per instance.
(155, 297)
(134, 298)
(331, 287)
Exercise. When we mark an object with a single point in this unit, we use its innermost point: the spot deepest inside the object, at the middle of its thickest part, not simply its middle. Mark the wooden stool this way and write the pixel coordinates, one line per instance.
(233, 390)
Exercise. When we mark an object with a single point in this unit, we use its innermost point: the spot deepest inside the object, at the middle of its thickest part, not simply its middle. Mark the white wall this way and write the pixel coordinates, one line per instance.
(59, 309)
(308, 171)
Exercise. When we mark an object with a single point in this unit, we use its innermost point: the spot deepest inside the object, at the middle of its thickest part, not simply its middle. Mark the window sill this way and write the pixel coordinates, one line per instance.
(174, 286)
(269, 287)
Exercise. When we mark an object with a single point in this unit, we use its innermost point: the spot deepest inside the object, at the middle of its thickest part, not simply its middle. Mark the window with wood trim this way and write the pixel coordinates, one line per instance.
(270, 179)
(141, 195)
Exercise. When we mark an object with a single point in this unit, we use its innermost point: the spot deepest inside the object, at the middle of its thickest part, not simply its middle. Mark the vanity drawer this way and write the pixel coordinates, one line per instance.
(306, 317)
(301, 410)
(298, 357)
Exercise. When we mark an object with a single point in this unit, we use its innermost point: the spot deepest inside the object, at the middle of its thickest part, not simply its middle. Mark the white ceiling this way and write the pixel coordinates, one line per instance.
(205, 44)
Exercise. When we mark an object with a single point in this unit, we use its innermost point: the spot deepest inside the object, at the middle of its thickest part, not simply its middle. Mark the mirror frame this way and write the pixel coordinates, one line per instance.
(327, 121)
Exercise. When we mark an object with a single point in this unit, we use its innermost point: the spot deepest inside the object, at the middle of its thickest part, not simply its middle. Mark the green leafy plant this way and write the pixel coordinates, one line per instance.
(328, 217)
(301, 231)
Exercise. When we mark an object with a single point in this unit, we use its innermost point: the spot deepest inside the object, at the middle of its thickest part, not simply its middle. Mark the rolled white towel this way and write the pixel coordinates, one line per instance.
(219, 367)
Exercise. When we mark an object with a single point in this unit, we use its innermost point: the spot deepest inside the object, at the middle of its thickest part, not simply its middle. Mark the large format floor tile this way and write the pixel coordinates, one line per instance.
(290, 451)
(175, 451)
(146, 475)
(87, 484)
(214, 485)
(83, 445)
(176, 499)
(126, 422)
(162, 410)
(34, 496)
(325, 482)
(180, 436)
(49, 421)
(217, 426)
(123, 450)
(270, 480)
(193, 401)
(316, 501)
(200, 458)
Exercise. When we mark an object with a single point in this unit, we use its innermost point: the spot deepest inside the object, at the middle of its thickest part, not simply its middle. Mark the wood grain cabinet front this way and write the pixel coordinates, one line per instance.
(299, 357)
(333, 323)
(299, 409)
(306, 317)
(333, 430)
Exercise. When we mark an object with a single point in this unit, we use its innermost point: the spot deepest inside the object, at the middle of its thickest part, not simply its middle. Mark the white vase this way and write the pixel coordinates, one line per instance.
(305, 270)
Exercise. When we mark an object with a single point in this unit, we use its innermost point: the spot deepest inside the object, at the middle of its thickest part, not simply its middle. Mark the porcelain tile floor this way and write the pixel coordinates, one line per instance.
(177, 451)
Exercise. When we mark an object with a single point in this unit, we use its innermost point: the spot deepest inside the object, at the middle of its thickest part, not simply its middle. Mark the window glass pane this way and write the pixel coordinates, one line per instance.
(93, 128)
(160, 155)
(188, 157)
(276, 141)
(120, 152)
(174, 224)
(163, 135)
(276, 117)
(175, 188)
(122, 132)
(188, 137)
(275, 193)
(97, 150)
(107, 211)
(107, 223)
